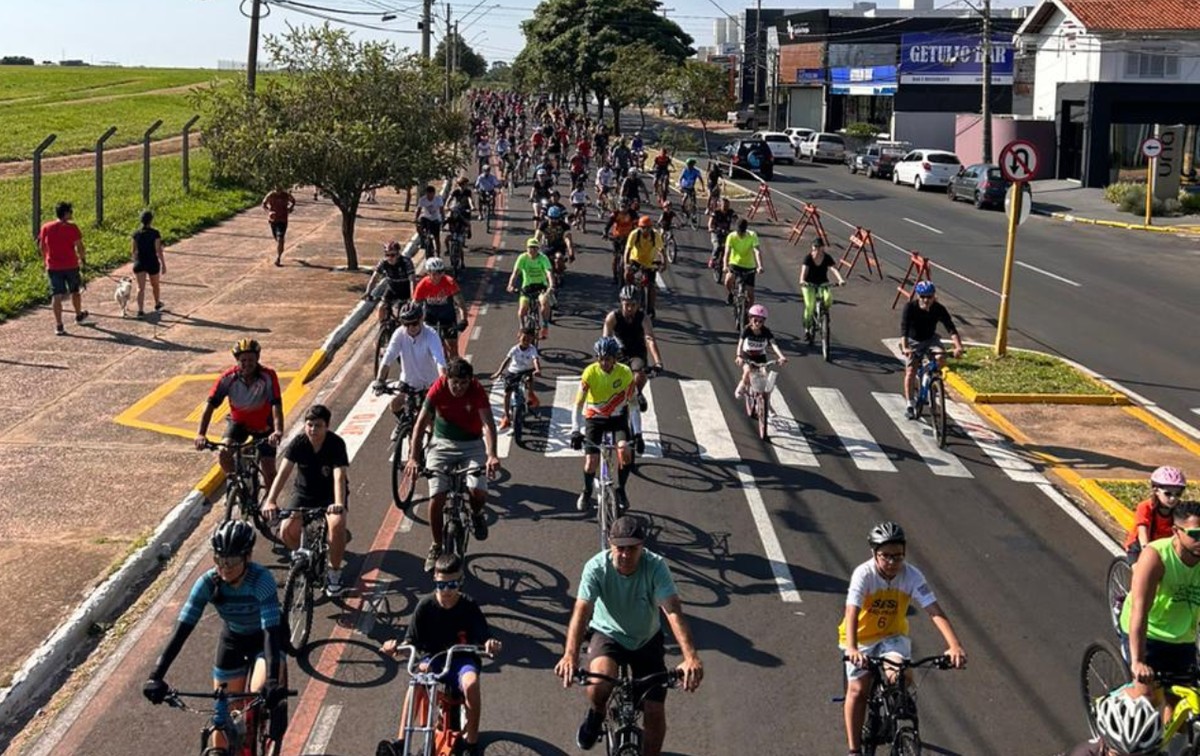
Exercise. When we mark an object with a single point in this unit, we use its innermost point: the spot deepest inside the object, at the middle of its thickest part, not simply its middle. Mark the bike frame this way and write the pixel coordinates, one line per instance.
(439, 737)
(622, 723)
(606, 497)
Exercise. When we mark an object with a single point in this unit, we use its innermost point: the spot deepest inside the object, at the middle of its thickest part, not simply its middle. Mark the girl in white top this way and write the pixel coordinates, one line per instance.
(522, 361)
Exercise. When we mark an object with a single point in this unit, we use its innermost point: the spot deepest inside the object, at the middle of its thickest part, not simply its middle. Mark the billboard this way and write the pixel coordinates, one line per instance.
(810, 76)
(953, 59)
(868, 80)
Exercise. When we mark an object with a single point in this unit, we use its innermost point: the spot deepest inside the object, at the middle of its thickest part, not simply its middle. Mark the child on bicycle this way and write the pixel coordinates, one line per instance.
(521, 360)
(666, 221)
(446, 618)
(1152, 518)
(752, 347)
(579, 200)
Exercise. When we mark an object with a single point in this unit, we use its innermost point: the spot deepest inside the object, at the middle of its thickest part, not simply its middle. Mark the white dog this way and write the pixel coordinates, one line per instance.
(121, 295)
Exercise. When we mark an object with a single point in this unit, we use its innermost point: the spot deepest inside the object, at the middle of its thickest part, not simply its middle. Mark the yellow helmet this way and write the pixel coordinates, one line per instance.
(245, 345)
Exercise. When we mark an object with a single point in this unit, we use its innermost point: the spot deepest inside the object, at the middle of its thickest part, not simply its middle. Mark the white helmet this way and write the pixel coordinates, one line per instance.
(1129, 725)
(435, 264)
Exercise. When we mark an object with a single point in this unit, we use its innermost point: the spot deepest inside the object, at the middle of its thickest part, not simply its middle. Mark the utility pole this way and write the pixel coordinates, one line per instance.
(757, 60)
(987, 81)
(426, 28)
(446, 42)
(457, 48)
(252, 54)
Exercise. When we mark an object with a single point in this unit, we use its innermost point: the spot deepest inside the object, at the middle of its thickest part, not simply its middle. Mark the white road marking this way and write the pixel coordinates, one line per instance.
(787, 440)
(361, 419)
(920, 435)
(650, 433)
(857, 440)
(1047, 273)
(993, 445)
(770, 541)
(322, 731)
(483, 309)
(504, 438)
(840, 194)
(1196, 410)
(661, 283)
(1070, 510)
(708, 423)
(922, 225)
(475, 333)
(558, 434)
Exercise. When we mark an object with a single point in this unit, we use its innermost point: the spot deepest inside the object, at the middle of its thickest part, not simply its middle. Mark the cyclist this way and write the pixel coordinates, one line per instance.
(644, 251)
(458, 409)
(1159, 616)
(1152, 517)
(578, 170)
(584, 148)
(720, 223)
(447, 618)
(539, 192)
(419, 350)
(1128, 727)
(687, 183)
(255, 409)
(431, 210)
(605, 399)
(483, 152)
(443, 301)
(713, 184)
(638, 147)
(244, 594)
(556, 201)
(876, 619)
(666, 221)
(621, 595)
(606, 179)
(504, 151)
(579, 201)
(622, 158)
(662, 174)
(620, 223)
(534, 268)
(555, 233)
(743, 260)
(632, 188)
(814, 273)
(629, 325)
(752, 347)
(486, 184)
(397, 269)
(321, 462)
(918, 334)
(521, 361)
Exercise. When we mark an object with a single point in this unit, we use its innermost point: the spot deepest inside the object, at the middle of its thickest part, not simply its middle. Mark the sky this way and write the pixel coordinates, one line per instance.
(199, 33)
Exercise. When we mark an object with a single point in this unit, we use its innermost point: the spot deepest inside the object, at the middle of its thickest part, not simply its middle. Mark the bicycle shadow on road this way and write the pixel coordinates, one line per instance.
(516, 744)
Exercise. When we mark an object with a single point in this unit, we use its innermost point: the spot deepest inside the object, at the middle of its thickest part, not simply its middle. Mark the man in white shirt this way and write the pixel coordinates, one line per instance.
(419, 350)
(431, 208)
(483, 152)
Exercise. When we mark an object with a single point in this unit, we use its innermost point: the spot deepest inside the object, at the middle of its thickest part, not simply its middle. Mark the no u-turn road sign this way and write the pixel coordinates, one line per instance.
(1019, 161)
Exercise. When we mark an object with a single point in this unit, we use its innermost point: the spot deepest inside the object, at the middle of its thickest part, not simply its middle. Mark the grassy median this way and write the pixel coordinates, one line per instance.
(1020, 372)
(1132, 492)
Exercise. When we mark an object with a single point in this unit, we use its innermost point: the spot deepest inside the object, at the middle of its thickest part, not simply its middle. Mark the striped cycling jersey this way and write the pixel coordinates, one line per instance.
(605, 394)
(246, 608)
(883, 604)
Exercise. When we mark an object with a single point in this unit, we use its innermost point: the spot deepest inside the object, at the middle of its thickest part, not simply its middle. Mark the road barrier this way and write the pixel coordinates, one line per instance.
(862, 244)
(918, 270)
(809, 218)
(763, 199)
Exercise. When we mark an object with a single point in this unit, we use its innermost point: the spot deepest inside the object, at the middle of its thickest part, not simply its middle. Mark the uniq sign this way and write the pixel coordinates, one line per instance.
(953, 59)
(1166, 171)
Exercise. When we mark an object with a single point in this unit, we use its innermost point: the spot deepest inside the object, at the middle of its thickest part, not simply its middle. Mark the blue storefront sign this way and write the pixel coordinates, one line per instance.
(810, 76)
(864, 80)
(953, 59)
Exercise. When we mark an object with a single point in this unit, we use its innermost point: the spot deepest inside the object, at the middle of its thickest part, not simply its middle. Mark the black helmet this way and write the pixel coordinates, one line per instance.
(629, 292)
(886, 532)
(412, 313)
(233, 538)
(245, 345)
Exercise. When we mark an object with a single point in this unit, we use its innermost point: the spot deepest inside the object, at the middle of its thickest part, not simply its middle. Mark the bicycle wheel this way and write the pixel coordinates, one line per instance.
(297, 607)
(264, 744)
(1120, 573)
(718, 271)
(739, 312)
(672, 249)
(937, 410)
(825, 334)
(404, 483)
(764, 411)
(907, 742)
(451, 535)
(1101, 671)
(233, 498)
(748, 397)
(517, 413)
(264, 525)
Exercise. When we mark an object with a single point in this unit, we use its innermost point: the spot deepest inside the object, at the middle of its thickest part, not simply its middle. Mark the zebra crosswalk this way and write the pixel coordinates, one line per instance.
(699, 412)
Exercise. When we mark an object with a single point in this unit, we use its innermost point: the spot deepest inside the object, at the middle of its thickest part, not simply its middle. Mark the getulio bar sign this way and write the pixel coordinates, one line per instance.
(953, 59)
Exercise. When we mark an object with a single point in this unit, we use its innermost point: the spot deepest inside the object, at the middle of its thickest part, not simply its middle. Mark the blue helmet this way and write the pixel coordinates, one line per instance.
(554, 213)
(607, 346)
(925, 289)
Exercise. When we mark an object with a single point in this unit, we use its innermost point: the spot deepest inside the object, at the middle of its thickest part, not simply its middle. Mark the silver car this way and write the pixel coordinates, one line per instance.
(822, 145)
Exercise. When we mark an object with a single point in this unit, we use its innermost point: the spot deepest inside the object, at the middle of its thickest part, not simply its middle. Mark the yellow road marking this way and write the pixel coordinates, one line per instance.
(132, 417)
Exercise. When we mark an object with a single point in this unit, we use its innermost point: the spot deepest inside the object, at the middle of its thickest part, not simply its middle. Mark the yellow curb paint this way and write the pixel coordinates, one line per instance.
(1109, 503)
(1163, 428)
(131, 417)
(1121, 224)
(211, 482)
(959, 384)
(315, 362)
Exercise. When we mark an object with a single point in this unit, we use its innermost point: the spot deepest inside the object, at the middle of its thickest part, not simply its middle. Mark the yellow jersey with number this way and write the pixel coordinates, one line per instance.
(605, 394)
(883, 604)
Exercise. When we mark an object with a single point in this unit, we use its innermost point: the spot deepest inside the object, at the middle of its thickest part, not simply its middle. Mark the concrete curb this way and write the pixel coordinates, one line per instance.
(1112, 398)
(53, 657)
(1070, 218)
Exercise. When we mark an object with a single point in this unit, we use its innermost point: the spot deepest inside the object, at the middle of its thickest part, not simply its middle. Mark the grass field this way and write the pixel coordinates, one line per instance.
(1131, 493)
(177, 215)
(1021, 372)
(40, 100)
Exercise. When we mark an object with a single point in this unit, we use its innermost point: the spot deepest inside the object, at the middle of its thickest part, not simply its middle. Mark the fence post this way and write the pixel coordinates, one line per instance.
(37, 182)
(146, 162)
(100, 174)
(187, 184)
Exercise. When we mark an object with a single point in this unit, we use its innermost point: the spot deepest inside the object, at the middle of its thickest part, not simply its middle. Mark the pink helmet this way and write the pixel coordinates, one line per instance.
(1168, 477)
(758, 311)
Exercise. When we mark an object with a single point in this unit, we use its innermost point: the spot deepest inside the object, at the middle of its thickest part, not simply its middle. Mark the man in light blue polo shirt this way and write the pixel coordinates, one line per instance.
(620, 595)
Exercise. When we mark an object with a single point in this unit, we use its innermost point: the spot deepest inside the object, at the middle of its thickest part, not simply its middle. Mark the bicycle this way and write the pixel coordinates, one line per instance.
(487, 208)
(244, 489)
(758, 396)
(387, 327)
(662, 187)
(1116, 584)
(425, 240)
(309, 564)
(932, 392)
(518, 405)
(247, 732)
(741, 303)
(820, 320)
(622, 731)
(688, 208)
(456, 515)
(891, 708)
(455, 245)
(670, 245)
(607, 509)
(533, 313)
(716, 260)
(639, 275)
(403, 484)
(434, 712)
(618, 264)
(579, 218)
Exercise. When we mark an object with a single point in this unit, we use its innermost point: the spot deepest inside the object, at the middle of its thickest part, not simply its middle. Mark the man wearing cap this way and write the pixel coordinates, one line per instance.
(620, 595)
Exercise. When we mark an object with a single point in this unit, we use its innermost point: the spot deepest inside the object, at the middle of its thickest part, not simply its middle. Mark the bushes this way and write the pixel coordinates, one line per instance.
(1130, 197)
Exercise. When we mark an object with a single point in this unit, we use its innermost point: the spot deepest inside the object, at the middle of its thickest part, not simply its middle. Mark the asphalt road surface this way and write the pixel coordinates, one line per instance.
(761, 537)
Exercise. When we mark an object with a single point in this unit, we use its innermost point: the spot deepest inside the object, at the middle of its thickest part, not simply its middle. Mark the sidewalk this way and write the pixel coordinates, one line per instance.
(1069, 201)
(82, 489)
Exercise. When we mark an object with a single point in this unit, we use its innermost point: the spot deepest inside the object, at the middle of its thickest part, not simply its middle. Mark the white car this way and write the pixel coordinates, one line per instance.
(797, 134)
(821, 145)
(923, 168)
(780, 144)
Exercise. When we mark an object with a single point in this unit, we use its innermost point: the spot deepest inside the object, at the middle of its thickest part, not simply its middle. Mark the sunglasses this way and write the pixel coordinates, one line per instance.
(447, 585)
(391, 254)
(1174, 493)
(758, 320)
(1193, 533)
(229, 562)
(924, 296)
(890, 558)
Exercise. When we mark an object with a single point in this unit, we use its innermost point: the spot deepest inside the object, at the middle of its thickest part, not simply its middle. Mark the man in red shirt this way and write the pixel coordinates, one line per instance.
(63, 252)
(279, 205)
(443, 302)
(255, 408)
(464, 431)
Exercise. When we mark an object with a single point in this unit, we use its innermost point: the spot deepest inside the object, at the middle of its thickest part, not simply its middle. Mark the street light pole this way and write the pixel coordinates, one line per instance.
(757, 58)
(426, 28)
(986, 108)
(252, 53)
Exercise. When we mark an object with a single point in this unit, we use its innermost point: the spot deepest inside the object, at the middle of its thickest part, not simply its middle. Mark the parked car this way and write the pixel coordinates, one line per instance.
(923, 168)
(876, 160)
(780, 144)
(821, 145)
(797, 134)
(749, 118)
(982, 184)
(746, 157)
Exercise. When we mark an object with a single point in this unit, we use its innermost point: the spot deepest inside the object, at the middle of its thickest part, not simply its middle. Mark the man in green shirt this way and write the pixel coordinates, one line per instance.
(534, 269)
(743, 260)
(620, 596)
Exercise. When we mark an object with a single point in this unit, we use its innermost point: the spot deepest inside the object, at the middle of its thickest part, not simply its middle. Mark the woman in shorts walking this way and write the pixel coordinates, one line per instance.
(147, 251)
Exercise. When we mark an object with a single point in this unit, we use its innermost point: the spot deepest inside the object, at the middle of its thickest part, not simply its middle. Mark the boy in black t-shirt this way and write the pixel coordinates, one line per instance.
(318, 455)
(400, 275)
(441, 620)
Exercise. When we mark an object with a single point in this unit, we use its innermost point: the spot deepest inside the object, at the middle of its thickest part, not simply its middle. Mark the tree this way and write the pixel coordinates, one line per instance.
(469, 62)
(703, 92)
(342, 116)
(636, 76)
(16, 60)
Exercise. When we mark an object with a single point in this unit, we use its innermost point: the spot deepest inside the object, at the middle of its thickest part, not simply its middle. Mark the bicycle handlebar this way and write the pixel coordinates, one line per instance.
(174, 697)
(414, 656)
(669, 679)
(250, 445)
(940, 661)
(399, 387)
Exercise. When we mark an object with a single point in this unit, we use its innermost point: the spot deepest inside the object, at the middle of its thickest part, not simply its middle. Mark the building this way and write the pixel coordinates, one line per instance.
(1107, 72)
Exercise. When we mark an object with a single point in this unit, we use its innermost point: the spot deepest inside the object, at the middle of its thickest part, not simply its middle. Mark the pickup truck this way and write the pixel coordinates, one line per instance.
(876, 160)
(822, 145)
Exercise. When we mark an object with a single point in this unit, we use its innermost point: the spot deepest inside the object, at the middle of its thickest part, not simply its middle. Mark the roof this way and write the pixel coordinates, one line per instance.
(1120, 15)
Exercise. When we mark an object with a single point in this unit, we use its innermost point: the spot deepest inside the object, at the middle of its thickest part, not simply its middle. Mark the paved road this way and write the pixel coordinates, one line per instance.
(761, 539)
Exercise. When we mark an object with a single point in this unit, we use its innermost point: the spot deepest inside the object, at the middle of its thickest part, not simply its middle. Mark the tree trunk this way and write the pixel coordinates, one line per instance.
(616, 109)
(642, 113)
(600, 107)
(349, 216)
(704, 132)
